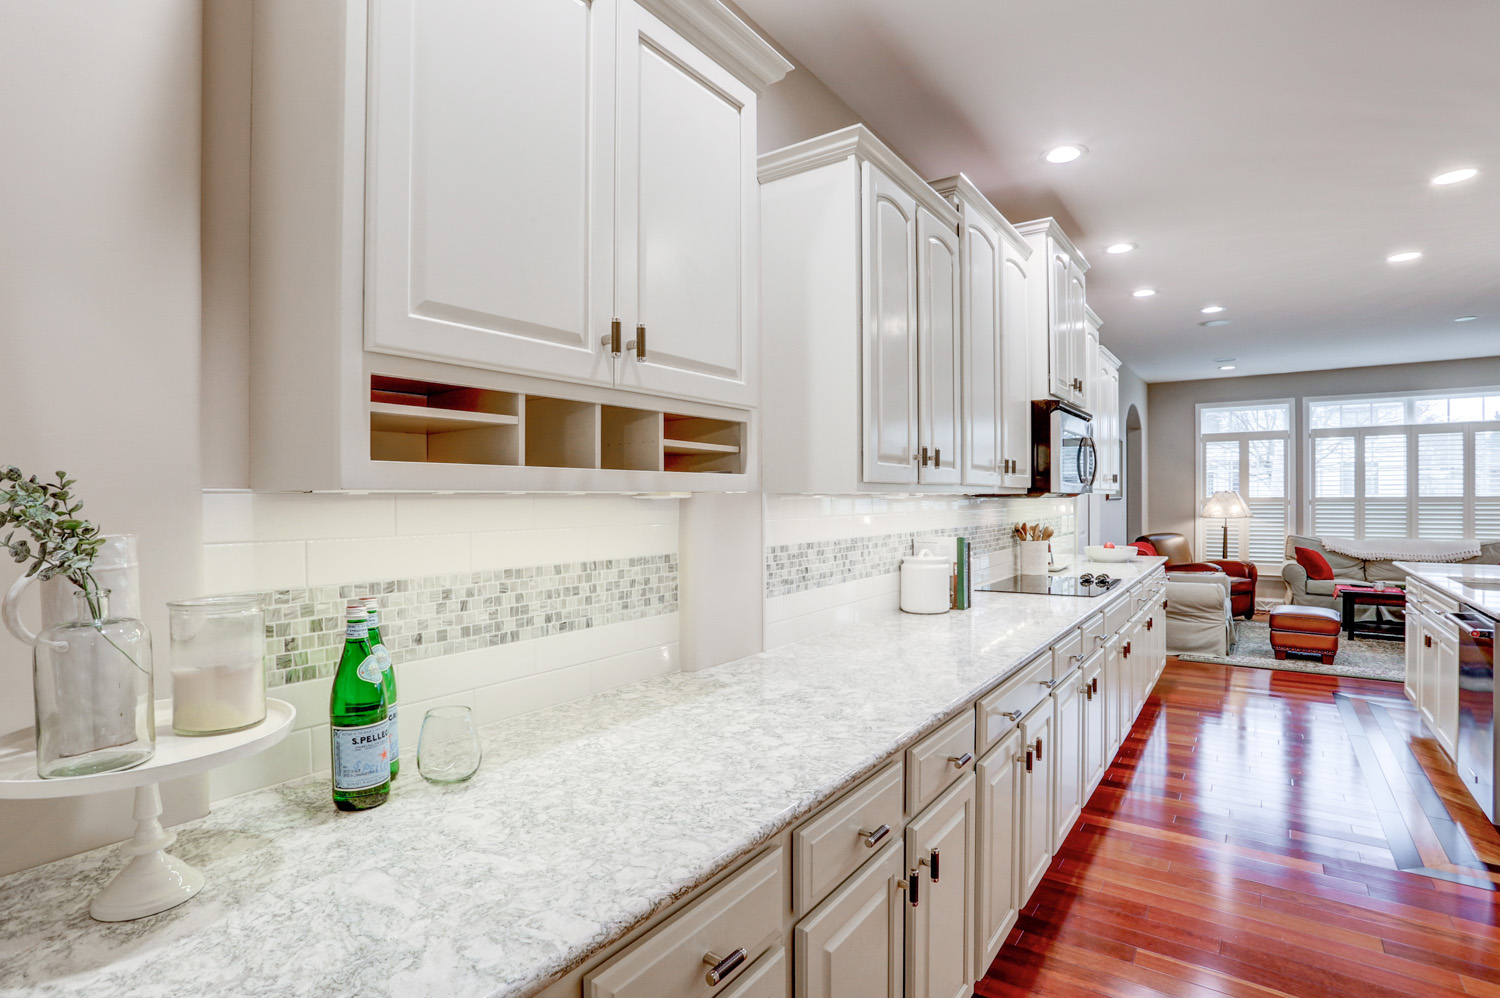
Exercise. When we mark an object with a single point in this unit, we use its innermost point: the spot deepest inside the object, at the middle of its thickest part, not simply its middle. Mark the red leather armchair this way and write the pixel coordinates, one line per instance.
(1242, 574)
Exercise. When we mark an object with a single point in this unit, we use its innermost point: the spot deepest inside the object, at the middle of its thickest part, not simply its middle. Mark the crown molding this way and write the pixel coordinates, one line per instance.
(1050, 227)
(1089, 313)
(1108, 356)
(729, 41)
(962, 189)
(857, 141)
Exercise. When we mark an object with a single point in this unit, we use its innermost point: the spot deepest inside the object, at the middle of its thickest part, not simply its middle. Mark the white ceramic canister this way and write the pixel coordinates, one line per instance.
(1034, 557)
(926, 583)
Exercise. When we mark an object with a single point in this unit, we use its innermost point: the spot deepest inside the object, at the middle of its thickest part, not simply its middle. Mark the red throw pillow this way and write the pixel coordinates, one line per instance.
(1317, 566)
(1146, 549)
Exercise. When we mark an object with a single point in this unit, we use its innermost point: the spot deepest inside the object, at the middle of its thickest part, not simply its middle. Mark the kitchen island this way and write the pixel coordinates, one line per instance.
(584, 821)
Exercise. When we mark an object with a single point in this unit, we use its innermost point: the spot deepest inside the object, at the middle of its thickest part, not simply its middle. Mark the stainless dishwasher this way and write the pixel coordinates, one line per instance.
(1477, 748)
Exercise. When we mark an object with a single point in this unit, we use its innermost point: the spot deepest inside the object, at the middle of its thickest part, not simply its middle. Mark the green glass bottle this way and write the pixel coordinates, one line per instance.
(358, 714)
(383, 656)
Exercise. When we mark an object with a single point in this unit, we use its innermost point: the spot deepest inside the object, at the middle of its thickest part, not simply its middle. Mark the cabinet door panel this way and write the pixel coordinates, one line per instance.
(1095, 735)
(1413, 682)
(851, 944)
(1036, 798)
(1015, 358)
(490, 158)
(890, 333)
(940, 930)
(984, 459)
(1059, 324)
(1081, 373)
(939, 390)
(1067, 799)
(996, 902)
(687, 199)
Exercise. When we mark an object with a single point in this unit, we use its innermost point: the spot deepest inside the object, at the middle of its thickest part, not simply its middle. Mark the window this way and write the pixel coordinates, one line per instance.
(1419, 465)
(1246, 448)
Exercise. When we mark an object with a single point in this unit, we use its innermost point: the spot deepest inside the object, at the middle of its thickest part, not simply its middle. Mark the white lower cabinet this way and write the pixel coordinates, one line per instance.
(996, 901)
(940, 926)
(851, 945)
(1067, 765)
(852, 903)
(1037, 745)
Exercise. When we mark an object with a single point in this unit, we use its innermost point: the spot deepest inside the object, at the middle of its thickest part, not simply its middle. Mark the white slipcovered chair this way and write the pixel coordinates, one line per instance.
(1200, 614)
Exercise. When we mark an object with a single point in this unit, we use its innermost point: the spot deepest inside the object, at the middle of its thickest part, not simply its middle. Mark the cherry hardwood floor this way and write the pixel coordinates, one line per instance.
(1267, 833)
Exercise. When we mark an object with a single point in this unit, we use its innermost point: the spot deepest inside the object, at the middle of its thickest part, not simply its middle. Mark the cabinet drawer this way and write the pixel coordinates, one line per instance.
(934, 763)
(999, 711)
(767, 979)
(1094, 634)
(1066, 654)
(834, 842)
(744, 912)
(1116, 616)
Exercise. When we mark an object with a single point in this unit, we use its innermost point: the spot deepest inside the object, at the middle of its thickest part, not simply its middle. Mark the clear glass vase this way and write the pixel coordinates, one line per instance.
(218, 671)
(94, 710)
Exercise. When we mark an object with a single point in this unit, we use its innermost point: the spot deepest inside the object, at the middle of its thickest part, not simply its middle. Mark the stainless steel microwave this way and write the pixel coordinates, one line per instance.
(1063, 457)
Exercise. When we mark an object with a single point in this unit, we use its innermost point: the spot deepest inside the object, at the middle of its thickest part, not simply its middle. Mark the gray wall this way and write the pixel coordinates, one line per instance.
(1172, 459)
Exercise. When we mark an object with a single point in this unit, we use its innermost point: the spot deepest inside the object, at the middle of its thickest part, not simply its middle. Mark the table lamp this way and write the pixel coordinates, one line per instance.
(1226, 506)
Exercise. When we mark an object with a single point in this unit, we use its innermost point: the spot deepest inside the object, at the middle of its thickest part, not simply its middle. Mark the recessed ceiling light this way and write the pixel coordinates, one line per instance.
(1226, 367)
(1065, 154)
(1215, 322)
(1455, 176)
(1211, 309)
(1143, 292)
(1120, 248)
(1466, 318)
(1405, 257)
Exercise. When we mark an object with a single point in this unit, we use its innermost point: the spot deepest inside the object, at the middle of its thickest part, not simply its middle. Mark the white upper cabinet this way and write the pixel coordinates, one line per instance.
(688, 202)
(940, 390)
(1057, 307)
(861, 274)
(540, 168)
(1105, 405)
(996, 407)
(490, 221)
(890, 334)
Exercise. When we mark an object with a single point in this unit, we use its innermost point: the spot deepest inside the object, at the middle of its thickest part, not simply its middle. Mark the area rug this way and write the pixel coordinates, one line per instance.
(1357, 658)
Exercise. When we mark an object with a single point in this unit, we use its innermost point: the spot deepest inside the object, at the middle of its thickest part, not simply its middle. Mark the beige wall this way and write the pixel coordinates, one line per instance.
(99, 313)
(1172, 460)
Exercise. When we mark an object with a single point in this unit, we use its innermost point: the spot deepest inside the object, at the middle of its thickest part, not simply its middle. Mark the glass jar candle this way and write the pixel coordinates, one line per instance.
(218, 664)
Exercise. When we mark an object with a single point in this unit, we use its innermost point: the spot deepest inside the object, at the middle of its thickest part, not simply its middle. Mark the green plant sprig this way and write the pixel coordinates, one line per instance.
(65, 543)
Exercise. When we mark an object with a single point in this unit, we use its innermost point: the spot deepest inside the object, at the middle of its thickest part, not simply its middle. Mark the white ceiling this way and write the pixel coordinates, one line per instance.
(1266, 156)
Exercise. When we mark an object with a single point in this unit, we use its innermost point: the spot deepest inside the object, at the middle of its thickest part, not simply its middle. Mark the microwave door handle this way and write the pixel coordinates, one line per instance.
(1093, 463)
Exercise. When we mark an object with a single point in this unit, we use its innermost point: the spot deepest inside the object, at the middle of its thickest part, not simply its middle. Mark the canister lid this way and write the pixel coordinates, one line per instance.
(926, 557)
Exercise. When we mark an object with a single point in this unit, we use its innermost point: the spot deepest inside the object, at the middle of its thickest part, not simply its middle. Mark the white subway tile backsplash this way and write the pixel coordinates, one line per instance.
(335, 561)
(520, 548)
(521, 696)
(272, 516)
(428, 514)
(233, 568)
(632, 667)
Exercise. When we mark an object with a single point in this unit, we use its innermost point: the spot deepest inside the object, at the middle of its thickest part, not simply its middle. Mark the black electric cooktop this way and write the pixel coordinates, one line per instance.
(1053, 585)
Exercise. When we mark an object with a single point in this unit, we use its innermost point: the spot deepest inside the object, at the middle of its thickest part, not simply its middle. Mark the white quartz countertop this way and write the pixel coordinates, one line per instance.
(584, 819)
(1459, 581)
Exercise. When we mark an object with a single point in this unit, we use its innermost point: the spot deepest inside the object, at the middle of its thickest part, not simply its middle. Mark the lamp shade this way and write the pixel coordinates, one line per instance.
(1225, 506)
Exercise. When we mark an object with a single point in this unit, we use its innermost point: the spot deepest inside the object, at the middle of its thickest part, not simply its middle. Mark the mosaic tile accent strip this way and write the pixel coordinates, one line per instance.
(446, 614)
(793, 568)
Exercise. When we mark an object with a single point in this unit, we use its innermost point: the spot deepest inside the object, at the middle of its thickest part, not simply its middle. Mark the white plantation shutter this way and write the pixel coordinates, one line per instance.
(1423, 466)
(1221, 467)
(1266, 543)
(1245, 448)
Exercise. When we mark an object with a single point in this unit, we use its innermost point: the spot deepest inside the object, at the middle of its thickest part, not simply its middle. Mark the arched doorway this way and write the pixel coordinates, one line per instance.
(1134, 485)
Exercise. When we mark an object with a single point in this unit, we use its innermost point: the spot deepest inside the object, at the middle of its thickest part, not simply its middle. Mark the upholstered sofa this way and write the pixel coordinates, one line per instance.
(1242, 574)
(1319, 592)
(1200, 615)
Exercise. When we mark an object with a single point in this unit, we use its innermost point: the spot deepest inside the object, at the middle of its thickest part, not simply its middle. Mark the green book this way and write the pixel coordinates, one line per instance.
(358, 714)
(377, 646)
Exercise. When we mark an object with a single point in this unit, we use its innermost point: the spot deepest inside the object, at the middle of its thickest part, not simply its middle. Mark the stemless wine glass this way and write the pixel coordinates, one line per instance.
(448, 747)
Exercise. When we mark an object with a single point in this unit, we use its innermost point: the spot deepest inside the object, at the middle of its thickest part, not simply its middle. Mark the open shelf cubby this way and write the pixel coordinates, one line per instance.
(425, 421)
(561, 433)
(696, 444)
(630, 439)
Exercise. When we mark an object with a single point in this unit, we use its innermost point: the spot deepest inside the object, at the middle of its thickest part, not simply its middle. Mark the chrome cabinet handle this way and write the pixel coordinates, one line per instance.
(1011, 715)
(1049, 683)
(912, 885)
(960, 761)
(722, 968)
(872, 837)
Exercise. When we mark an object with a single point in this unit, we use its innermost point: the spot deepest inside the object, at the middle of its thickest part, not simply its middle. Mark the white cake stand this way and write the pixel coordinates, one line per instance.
(152, 881)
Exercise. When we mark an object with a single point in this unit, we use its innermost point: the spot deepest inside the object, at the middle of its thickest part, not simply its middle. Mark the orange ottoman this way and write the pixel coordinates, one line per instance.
(1310, 630)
